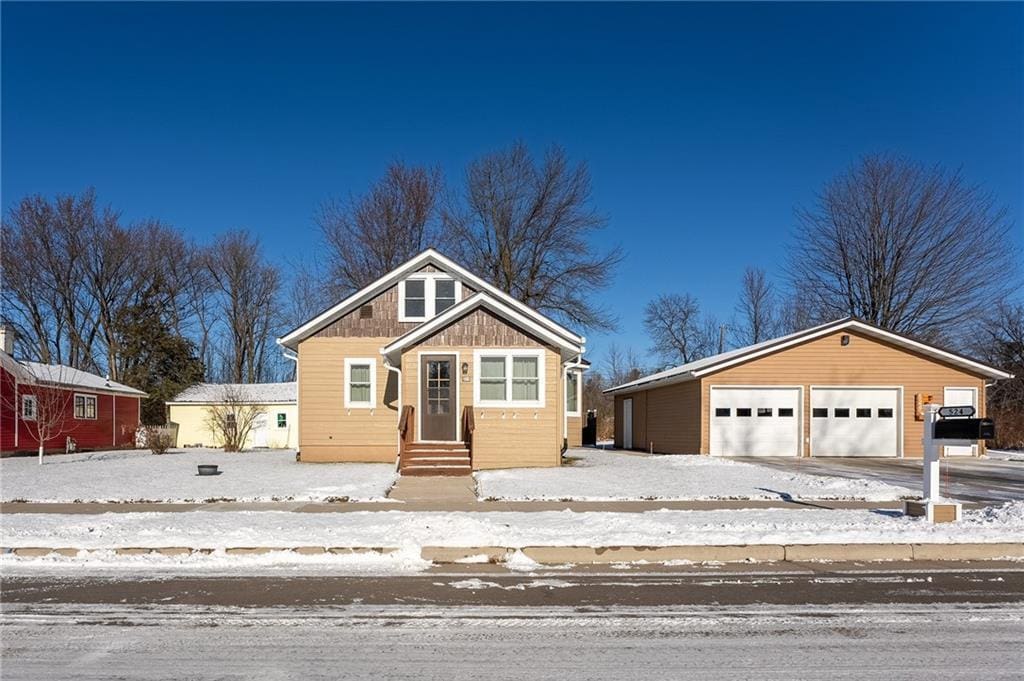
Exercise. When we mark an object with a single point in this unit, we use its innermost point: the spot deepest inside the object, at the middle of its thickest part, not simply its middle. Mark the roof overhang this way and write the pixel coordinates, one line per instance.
(526, 322)
(732, 358)
(427, 257)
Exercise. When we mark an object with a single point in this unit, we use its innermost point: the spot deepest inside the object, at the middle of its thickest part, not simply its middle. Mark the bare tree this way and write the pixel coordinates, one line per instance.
(621, 365)
(44, 291)
(757, 310)
(1002, 345)
(679, 332)
(247, 288)
(913, 249)
(370, 235)
(232, 418)
(46, 411)
(529, 228)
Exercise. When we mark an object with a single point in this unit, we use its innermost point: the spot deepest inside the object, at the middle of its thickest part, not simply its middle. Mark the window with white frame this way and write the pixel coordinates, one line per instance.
(572, 393)
(509, 378)
(424, 295)
(360, 383)
(85, 406)
(282, 420)
(29, 407)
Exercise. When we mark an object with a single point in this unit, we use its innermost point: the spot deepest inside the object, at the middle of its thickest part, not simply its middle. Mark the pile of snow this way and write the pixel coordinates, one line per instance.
(1005, 454)
(599, 475)
(219, 530)
(138, 475)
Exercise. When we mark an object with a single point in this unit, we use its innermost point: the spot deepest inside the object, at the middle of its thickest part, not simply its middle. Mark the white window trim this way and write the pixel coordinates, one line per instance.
(95, 408)
(349, 362)
(508, 354)
(429, 280)
(35, 407)
(579, 392)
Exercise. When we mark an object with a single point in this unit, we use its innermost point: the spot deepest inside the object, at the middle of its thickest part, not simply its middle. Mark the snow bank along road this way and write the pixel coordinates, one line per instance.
(366, 642)
(228, 529)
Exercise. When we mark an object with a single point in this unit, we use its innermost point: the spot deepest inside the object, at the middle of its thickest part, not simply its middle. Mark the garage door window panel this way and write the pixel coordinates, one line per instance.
(844, 421)
(754, 431)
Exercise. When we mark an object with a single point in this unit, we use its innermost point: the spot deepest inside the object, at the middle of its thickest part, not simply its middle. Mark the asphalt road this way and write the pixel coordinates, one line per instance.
(949, 621)
(975, 480)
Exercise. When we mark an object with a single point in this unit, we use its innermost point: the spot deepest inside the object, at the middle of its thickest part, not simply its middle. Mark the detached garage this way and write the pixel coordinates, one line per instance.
(846, 388)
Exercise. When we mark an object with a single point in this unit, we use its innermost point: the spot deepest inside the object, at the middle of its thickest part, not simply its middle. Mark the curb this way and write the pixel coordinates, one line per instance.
(558, 555)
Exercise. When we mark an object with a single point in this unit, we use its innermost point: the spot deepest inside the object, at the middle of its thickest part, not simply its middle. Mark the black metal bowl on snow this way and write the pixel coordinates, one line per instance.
(208, 469)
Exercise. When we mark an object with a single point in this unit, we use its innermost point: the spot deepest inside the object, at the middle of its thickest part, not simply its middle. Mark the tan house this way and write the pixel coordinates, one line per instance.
(273, 421)
(846, 388)
(433, 365)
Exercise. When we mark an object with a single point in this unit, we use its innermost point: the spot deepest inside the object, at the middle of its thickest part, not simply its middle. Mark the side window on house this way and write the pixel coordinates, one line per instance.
(492, 379)
(28, 407)
(85, 406)
(360, 383)
(444, 294)
(282, 420)
(572, 393)
(525, 379)
(415, 299)
(511, 378)
(421, 297)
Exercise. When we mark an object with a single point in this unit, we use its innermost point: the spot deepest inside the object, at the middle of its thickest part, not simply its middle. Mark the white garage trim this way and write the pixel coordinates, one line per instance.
(798, 411)
(898, 415)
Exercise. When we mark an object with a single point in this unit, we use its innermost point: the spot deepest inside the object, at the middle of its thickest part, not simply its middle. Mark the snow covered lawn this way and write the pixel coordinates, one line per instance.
(599, 475)
(219, 530)
(138, 475)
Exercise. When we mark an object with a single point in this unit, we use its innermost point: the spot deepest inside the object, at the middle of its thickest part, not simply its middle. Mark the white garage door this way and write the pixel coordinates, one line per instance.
(855, 421)
(755, 421)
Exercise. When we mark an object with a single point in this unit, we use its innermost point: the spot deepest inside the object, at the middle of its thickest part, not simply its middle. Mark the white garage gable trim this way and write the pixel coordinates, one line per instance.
(772, 435)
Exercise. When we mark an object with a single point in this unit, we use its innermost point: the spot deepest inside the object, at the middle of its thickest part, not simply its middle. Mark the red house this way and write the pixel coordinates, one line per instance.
(56, 402)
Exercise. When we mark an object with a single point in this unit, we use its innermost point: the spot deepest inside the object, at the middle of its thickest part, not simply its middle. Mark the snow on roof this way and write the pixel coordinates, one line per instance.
(693, 369)
(59, 374)
(252, 393)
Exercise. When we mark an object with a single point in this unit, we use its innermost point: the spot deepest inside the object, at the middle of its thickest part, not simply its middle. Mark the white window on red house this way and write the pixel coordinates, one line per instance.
(29, 407)
(85, 406)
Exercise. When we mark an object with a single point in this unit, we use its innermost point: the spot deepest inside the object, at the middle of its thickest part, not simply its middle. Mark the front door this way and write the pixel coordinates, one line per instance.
(438, 401)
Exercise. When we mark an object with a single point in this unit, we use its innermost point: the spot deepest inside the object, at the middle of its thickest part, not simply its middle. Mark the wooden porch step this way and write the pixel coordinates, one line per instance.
(437, 469)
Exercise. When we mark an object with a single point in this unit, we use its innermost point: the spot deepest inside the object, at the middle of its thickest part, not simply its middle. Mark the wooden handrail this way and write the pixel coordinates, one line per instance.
(468, 426)
(405, 431)
(405, 420)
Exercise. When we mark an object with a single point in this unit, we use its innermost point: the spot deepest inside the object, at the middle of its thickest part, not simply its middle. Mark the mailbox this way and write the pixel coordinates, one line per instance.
(965, 429)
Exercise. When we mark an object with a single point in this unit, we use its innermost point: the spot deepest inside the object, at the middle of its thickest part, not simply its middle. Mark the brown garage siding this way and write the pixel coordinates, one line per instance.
(673, 419)
(864, 362)
(665, 420)
(639, 421)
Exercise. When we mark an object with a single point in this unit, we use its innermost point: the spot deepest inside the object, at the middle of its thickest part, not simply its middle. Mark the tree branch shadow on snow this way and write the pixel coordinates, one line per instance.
(788, 498)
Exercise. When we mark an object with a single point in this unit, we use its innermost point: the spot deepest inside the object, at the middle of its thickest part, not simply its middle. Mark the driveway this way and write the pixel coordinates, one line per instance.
(977, 480)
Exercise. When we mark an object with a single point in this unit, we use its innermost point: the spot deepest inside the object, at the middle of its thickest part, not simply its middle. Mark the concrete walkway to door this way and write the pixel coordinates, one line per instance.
(448, 490)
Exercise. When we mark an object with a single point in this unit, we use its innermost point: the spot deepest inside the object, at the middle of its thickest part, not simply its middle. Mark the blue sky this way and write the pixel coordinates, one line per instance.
(703, 125)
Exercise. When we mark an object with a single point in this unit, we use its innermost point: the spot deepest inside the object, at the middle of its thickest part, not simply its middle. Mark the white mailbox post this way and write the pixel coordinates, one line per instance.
(932, 505)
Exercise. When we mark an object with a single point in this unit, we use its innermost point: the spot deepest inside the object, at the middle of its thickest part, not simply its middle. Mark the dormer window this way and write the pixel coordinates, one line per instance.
(426, 294)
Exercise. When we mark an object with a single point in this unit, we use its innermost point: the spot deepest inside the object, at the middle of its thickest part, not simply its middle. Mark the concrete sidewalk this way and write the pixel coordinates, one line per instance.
(457, 500)
(589, 555)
